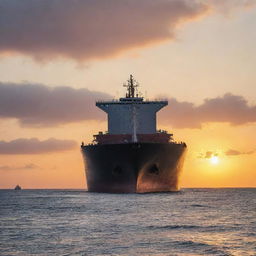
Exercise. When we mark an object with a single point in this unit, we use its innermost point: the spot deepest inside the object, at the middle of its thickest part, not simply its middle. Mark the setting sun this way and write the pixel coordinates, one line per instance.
(214, 160)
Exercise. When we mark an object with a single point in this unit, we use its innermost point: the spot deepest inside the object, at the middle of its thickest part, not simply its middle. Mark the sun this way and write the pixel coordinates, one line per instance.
(214, 160)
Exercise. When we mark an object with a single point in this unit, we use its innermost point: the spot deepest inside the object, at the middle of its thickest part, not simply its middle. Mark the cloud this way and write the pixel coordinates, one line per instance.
(229, 108)
(227, 6)
(233, 152)
(230, 152)
(89, 29)
(208, 154)
(93, 29)
(39, 105)
(14, 168)
(35, 146)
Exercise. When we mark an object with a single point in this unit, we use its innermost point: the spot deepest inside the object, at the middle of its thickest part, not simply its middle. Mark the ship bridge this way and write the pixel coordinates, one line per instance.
(131, 114)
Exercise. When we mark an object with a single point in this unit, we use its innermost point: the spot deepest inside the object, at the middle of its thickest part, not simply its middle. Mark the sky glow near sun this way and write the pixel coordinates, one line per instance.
(214, 160)
(198, 54)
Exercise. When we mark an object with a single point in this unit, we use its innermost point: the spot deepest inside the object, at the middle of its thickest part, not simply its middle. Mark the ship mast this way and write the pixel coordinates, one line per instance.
(131, 87)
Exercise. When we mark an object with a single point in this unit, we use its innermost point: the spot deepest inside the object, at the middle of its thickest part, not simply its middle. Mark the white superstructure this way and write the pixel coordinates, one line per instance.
(131, 113)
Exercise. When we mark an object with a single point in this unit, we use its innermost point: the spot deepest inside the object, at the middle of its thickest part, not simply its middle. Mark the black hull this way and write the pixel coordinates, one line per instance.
(133, 167)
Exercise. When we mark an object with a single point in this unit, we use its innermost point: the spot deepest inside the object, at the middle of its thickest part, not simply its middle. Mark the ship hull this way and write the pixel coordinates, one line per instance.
(133, 167)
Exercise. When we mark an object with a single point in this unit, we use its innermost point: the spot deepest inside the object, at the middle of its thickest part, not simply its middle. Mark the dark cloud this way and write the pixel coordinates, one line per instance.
(35, 146)
(86, 29)
(39, 105)
(229, 108)
(14, 168)
(233, 152)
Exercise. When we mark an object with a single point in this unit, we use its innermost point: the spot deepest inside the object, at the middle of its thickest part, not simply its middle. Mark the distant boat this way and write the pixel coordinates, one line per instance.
(17, 187)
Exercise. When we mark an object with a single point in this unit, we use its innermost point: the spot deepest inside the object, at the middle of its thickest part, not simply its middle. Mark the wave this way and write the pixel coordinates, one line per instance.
(174, 227)
(211, 228)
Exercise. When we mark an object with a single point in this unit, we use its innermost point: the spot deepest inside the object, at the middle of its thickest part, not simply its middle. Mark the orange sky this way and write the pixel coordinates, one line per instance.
(186, 53)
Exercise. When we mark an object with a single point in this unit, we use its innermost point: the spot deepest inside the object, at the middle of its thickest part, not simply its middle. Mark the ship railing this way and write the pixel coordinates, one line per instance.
(162, 131)
(178, 142)
(118, 101)
(125, 141)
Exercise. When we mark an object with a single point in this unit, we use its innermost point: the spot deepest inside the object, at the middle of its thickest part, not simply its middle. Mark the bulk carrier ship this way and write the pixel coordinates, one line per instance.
(132, 156)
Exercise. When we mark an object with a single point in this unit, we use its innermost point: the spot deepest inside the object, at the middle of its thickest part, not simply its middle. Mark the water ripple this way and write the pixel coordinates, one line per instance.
(191, 222)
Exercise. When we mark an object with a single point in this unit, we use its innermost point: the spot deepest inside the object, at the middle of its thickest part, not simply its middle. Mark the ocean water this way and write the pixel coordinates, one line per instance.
(70, 222)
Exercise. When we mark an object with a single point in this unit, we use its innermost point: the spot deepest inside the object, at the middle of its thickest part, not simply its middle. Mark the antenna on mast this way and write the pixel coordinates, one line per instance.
(131, 87)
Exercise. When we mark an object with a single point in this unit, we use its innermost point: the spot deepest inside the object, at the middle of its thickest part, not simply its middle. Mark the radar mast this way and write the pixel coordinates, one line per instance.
(131, 87)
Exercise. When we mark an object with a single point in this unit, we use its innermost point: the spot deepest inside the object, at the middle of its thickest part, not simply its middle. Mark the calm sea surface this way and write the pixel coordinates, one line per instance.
(68, 222)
